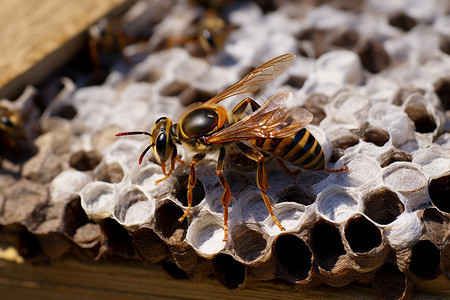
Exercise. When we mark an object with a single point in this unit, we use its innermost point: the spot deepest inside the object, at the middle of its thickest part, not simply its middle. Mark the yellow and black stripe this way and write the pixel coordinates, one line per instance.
(301, 149)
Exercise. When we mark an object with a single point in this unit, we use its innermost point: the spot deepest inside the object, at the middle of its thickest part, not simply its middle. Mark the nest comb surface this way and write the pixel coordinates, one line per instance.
(376, 112)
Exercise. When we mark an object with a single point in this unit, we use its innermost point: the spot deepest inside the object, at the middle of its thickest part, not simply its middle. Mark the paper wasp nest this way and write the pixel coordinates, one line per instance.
(378, 85)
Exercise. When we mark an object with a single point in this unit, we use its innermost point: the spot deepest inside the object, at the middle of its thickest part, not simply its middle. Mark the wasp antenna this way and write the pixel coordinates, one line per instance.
(143, 153)
(133, 132)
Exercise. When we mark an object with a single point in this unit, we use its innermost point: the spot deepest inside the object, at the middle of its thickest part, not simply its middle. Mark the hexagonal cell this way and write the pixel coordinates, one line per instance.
(435, 227)
(336, 204)
(88, 236)
(348, 39)
(444, 44)
(290, 215)
(149, 76)
(361, 170)
(422, 119)
(98, 199)
(314, 104)
(249, 243)
(180, 191)
(118, 241)
(193, 95)
(326, 244)
(67, 184)
(404, 92)
(229, 272)
(294, 257)
(295, 81)
(74, 217)
(206, 235)
(346, 141)
(376, 135)
(28, 245)
(442, 89)
(361, 234)
(298, 194)
(374, 57)
(173, 270)
(425, 260)
(111, 173)
(85, 160)
(317, 38)
(365, 243)
(408, 180)
(134, 207)
(439, 189)
(391, 283)
(146, 178)
(435, 160)
(149, 245)
(173, 89)
(402, 21)
(251, 207)
(382, 205)
(166, 223)
(393, 155)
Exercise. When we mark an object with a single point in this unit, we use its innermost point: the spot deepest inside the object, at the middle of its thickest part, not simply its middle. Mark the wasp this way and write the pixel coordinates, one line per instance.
(11, 127)
(269, 129)
(212, 32)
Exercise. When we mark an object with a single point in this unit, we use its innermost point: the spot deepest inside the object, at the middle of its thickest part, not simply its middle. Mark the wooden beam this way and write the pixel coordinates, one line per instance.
(72, 279)
(39, 36)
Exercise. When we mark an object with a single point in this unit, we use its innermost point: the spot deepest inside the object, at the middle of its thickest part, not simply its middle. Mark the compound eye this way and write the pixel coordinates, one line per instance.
(7, 122)
(161, 146)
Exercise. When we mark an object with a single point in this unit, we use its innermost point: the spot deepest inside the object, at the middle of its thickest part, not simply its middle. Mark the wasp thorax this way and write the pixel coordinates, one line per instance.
(199, 122)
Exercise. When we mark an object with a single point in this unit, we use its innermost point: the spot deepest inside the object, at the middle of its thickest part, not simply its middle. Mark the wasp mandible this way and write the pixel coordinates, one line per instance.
(270, 130)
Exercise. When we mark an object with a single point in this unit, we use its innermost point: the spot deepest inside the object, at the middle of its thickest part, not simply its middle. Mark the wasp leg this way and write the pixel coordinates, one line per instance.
(285, 168)
(191, 183)
(226, 196)
(261, 178)
(173, 158)
(240, 108)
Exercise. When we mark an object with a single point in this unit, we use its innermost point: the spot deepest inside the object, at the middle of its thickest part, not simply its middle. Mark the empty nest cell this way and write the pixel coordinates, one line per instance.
(228, 271)
(362, 235)
(326, 244)
(382, 205)
(167, 225)
(294, 258)
(425, 260)
(439, 189)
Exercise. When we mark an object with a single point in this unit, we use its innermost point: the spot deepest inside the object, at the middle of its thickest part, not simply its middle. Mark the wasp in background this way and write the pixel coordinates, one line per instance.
(270, 130)
(211, 30)
(13, 140)
(105, 36)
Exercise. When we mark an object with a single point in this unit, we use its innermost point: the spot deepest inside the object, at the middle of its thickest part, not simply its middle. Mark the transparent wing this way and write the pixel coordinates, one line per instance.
(269, 121)
(257, 78)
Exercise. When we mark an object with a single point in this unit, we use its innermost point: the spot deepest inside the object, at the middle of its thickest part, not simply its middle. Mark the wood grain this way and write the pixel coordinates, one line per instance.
(38, 36)
(71, 279)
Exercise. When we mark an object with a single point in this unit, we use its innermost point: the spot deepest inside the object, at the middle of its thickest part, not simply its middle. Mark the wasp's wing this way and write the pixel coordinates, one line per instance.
(269, 121)
(257, 78)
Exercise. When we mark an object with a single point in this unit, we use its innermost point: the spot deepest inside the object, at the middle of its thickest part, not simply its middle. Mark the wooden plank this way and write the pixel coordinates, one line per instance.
(70, 279)
(38, 36)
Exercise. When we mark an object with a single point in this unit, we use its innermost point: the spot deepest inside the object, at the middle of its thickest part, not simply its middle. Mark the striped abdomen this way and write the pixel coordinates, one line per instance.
(301, 149)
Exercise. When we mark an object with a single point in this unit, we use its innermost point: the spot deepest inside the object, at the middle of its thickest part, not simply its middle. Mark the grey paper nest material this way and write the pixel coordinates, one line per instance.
(378, 86)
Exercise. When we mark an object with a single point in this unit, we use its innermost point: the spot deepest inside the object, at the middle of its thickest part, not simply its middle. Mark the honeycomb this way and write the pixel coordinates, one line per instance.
(376, 75)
